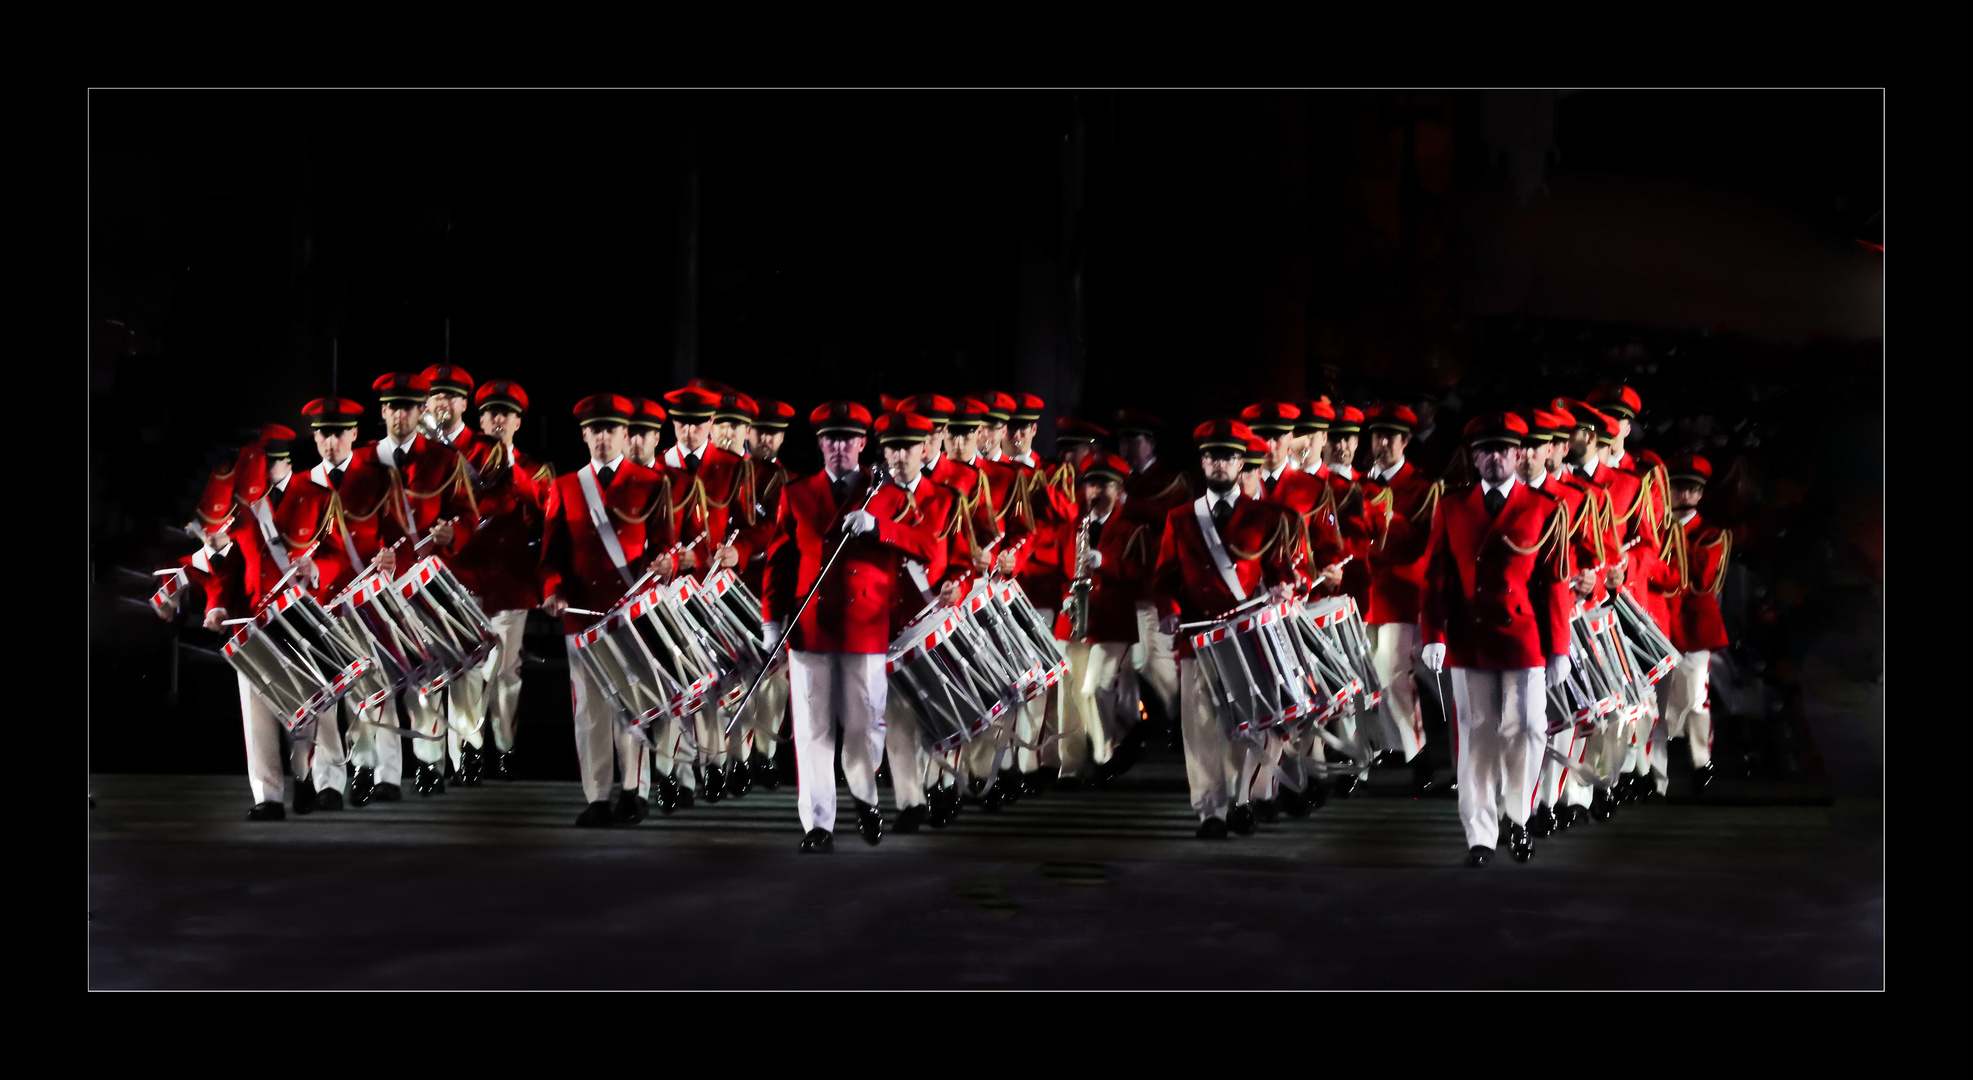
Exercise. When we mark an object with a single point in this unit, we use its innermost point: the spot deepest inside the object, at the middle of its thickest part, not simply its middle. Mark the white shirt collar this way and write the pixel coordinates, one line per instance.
(933, 461)
(1214, 498)
(282, 484)
(1344, 471)
(1684, 515)
(1538, 481)
(1379, 473)
(912, 487)
(453, 434)
(1505, 487)
(1025, 459)
(1147, 463)
(613, 463)
(387, 448)
(1276, 474)
(1588, 467)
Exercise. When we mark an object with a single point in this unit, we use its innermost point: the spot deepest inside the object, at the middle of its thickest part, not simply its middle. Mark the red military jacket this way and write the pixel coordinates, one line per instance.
(1159, 488)
(576, 564)
(306, 516)
(1308, 495)
(753, 507)
(1698, 554)
(1128, 542)
(1260, 539)
(972, 526)
(1041, 508)
(221, 580)
(1490, 594)
(1396, 560)
(918, 581)
(854, 611)
(376, 497)
(1361, 510)
(994, 497)
(1632, 518)
(703, 501)
(1592, 544)
(500, 563)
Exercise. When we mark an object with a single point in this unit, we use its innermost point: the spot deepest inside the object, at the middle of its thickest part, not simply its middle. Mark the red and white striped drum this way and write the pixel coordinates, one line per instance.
(295, 656)
(951, 699)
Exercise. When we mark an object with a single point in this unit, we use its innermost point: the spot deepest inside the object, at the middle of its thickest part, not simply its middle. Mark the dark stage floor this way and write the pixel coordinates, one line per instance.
(491, 887)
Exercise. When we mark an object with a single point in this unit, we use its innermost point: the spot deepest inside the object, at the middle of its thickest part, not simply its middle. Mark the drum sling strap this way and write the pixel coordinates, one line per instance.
(1217, 549)
(273, 536)
(598, 516)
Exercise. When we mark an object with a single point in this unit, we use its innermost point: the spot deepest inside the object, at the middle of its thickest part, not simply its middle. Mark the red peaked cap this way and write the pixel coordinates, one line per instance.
(733, 405)
(1591, 417)
(250, 470)
(1271, 417)
(450, 378)
(774, 415)
(1098, 468)
(1617, 400)
(1071, 429)
(604, 409)
(713, 385)
(402, 386)
(1348, 421)
(1691, 468)
(999, 406)
(649, 414)
(1135, 421)
(1493, 428)
(502, 392)
(1544, 425)
(1027, 409)
(1316, 416)
(934, 407)
(1225, 434)
(840, 418)
(896, 427)
(1256, 452)
(1650, 459)
(692, 404)
(332, 413)
(967, 414)
(1391, 417)
(216, 501)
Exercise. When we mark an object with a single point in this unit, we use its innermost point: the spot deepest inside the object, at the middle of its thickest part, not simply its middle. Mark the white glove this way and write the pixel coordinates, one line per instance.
(860, 522)
(770, 634)
(1091, 560)
(1558, 671)
(1434, 656)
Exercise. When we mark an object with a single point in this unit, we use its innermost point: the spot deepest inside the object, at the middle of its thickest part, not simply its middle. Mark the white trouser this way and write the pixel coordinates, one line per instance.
(984, 756)
(1395, 653)
(1685, 700)
(602, 744)
(906, 752)
(761, 727)
(1159, 668)
(1034, 719)
(1211, 771)
(320, 759)
(1497, 746)
(1090, 724)
(827, 691)
(375, 743)
(427, 713)
(495, 698)
(1555, 780)
(1257, 780)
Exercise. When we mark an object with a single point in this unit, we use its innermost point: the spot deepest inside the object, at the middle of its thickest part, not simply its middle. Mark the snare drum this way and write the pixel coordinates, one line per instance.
(928, 668)
(455, 632)
(294, 657)
(1040, 635)
(646, 657)
(740, 653)
(1017, 666)
(1255, 672)
(166, 599)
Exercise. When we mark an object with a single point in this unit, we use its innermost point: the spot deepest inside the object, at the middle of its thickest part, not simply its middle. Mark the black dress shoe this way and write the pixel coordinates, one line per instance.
(504, 767)
(1211, 829)
(1241, 820)
(1267, 811)
(993, 800)
(1068, 783)
(1519, 843)
(667, 793)
(739, 779)
(304, 797)
(1541, 823)
(1295, 804)
(715, 783)
(594, 816)
(1345, 785)
(1477, 856)
(1601, 805)
(817, 842)
(764, 773)
(387, 793)
(785, 773)
(1702, 776)
(869, 823)
(1578, 815)
(268, 811)
(1318, 794)
(426, 780)
(909, 818)
(684, 797)
(1009, 787)
(884, 775)
(362, 785)
(1034, 784)
(630, 808)
(326, 801)
(941, 805)
(471, 766)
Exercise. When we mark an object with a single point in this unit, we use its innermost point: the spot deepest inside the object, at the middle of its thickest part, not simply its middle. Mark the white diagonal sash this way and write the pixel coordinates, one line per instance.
(275, 547)
(1217, 549)
(598, 516)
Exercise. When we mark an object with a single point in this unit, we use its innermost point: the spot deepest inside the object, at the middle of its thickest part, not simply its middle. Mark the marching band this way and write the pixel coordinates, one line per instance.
(959, 614)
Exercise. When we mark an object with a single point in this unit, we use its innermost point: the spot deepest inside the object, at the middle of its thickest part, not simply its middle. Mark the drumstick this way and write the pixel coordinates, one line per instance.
(584, 611)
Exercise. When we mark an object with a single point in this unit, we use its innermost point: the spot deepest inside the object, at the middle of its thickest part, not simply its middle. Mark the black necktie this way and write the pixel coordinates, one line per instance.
(1095, 533)
(1271, 481)
(839, 487)
(274, 497)
(1495, 498)
(1222, 513)
(604, 474)
(692, 464)
(336, 477)
(398, 457)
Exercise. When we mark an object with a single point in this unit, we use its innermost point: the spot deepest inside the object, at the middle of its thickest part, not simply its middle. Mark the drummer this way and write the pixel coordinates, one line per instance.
(674, 780)
(1698, 554)
(704, 481)
(769, 762)
(1217, 552)
(836, 676)
(591, 566)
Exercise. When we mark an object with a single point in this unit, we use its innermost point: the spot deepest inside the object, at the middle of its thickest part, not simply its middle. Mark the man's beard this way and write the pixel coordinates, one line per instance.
(1220, 487)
